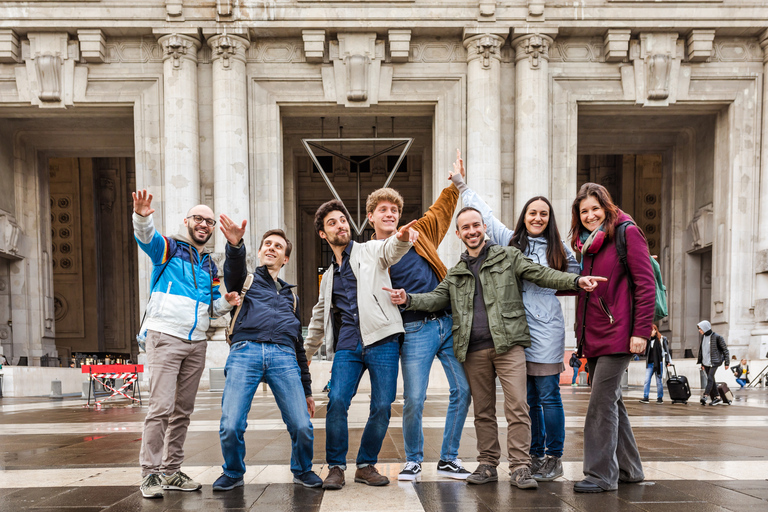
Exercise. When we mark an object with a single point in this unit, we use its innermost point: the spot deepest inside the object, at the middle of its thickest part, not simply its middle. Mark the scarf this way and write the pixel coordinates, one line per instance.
(590, 243)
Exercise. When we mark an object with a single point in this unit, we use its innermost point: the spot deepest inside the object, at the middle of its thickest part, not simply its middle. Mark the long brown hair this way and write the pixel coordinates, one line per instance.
(556, 257)
(601, 194)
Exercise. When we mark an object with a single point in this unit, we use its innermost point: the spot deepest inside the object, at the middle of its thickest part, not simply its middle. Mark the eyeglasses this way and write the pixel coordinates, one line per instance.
(199, 219)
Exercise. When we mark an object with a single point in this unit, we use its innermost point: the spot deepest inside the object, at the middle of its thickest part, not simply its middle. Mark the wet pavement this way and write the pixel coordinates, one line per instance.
(58, 455)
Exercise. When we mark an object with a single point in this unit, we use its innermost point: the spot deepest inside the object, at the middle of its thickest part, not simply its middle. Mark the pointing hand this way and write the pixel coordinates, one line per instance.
(396, 296)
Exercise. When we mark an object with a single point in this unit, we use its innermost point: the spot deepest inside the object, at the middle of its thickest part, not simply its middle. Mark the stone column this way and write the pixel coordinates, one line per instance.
(181, 173)
(231, 191)
(483, 158)
(761, 279)
(532, 164)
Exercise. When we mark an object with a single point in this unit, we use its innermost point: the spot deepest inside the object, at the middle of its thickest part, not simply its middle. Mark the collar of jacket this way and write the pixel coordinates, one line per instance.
(493, 254)
(184, 240)
(263, 271)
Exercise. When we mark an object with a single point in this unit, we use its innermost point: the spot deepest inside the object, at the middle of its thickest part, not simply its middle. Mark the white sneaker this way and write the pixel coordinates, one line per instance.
(411, 472)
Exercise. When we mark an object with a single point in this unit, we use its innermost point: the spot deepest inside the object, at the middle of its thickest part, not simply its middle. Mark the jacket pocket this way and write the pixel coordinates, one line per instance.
(380, 308)
(605, 309)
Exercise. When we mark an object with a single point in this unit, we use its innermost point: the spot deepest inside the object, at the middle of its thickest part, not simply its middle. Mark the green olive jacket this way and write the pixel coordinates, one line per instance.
(501, 276)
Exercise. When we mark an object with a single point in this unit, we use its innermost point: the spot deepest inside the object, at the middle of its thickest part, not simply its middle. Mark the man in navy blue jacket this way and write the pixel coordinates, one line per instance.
(266, 346)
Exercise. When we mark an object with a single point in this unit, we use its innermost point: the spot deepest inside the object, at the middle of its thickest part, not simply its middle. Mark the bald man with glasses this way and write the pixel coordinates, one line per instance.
(184, 296)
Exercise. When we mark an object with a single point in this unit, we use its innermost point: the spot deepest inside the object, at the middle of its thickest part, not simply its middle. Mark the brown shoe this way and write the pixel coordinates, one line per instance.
(335, 479)
(369, 475)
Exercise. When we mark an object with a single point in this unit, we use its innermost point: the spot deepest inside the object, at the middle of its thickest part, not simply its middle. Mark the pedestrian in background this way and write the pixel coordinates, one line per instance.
(575, 363)
(741, 372)
(712, 352)
(656, 358)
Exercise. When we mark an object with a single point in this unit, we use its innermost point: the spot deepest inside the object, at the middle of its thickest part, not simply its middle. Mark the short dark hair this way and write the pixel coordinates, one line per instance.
(466, 209)
(334, 205)
(281, 234)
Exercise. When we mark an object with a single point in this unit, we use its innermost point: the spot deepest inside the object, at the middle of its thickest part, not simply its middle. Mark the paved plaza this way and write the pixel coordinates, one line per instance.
(58, 455)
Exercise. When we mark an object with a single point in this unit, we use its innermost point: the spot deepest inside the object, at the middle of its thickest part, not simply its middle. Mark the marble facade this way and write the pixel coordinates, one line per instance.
(201, 90)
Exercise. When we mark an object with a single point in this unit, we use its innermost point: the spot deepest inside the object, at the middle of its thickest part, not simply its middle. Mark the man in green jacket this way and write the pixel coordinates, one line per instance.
(490, 334)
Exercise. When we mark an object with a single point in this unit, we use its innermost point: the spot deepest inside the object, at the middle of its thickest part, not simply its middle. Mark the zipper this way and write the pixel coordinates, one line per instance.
(584, 316)
(605, 309)
(167, 292)
(381, 308)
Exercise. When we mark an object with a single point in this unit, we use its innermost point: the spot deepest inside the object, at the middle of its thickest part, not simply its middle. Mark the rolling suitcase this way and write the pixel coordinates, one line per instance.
(725, 393)
(679, 390)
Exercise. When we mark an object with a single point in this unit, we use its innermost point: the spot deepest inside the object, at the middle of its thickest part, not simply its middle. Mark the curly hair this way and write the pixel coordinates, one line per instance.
(334, 205)
(384, 194)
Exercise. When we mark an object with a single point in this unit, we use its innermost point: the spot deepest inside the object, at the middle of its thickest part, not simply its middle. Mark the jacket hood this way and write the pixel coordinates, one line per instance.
(704, 325)
(183, 238)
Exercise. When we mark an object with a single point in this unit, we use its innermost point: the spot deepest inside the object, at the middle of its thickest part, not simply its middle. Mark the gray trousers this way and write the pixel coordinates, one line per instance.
(176, 367)
(711, 388)
(610, 450)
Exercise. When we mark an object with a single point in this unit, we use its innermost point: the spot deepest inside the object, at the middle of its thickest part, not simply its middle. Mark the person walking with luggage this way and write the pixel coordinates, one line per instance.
(575, 363)
(741, 372)
(184, 296)
(491, 333)
(266, 345)
(713, 351)
(537, 236)
(613, 322)
(656, 358)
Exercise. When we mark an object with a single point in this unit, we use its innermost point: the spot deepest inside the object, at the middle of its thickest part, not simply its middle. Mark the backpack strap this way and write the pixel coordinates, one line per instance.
(295, 300)
(231, 326)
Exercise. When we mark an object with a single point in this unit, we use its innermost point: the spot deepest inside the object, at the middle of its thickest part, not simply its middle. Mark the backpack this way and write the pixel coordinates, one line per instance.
(661, 291)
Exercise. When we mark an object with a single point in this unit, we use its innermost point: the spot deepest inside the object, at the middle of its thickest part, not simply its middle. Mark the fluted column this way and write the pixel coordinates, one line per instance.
(181, 174)
(231, 193)
(483, 159)
(532, 163)
(761, 278)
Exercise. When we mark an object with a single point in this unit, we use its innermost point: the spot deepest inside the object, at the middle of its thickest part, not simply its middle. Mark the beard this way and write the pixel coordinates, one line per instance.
(338, 240)
(469, 245)
(194, 237)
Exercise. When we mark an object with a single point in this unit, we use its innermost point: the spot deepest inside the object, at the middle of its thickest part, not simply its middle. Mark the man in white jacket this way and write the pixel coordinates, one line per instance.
(358, 322)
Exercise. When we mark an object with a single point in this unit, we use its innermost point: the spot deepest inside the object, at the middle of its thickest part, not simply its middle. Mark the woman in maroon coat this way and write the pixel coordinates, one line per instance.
(613, 322)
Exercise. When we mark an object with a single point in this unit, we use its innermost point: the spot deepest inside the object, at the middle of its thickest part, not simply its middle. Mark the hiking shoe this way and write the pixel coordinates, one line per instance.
(335, 479)
(716, 401)
(551, 469)
(644, 400)
(151, 487)
(308, 479)
(659, 401)
(483, 474)
(179, 481)
(369, 475)
(452, 469)
(225, 483)
(522, 479)
(411, 472)
(537, 463)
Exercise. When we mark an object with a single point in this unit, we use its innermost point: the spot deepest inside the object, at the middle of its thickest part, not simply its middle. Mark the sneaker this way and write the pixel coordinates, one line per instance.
(552, 469)
(179, 482)
(308, 479)
(225, 483)
(574, 385)
(644, 400)
(537, 463)
(411, 472)
(715, 401)
(659, 401)
(522, 479)
(703, 400)
(151, 487)
(452, 469)
(369, 475)
(335, 479)
(483, 474)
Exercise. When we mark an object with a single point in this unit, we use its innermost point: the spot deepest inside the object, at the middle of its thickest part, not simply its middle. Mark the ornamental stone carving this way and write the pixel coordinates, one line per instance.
(226, 47)
(9, 235)
(485, 47)
(656, 57)
(533, 47)
(178, 47)
(357, 75)
(49, 80)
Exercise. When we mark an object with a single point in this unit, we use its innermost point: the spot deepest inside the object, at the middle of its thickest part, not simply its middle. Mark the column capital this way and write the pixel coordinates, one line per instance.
(534, 47)
(763, 39)
(485, 46)
(179, 46)
(228, 46)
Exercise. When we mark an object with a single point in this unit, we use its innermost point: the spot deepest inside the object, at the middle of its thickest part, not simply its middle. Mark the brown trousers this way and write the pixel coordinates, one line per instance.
(175, 369)
(481, 368)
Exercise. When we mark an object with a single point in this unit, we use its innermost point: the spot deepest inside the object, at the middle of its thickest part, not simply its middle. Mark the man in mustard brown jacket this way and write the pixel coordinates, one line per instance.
(427, 334)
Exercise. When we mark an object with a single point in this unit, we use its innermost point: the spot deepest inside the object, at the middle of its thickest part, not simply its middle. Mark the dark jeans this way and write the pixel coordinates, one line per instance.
(711, 388)
(547, 416)
(610, 450)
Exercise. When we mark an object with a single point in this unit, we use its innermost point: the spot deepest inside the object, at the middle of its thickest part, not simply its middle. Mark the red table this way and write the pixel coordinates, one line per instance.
(128, 372)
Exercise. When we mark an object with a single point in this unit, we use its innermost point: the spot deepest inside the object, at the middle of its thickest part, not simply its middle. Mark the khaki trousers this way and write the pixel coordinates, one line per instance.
(175, 369)
(482, 367)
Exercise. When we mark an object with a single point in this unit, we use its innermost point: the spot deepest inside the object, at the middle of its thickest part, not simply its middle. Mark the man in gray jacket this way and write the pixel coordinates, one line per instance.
(357, 321)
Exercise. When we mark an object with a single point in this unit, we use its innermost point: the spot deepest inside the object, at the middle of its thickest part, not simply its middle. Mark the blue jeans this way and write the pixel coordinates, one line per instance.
(741, 382)
(348, 367)
(575, 375)
(547, 416)
(248, 364)
(647, 386)
(423, 341)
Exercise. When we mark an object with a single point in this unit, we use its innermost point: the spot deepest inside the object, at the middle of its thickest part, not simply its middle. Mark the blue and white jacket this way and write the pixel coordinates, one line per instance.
(542, 309)
(186, 295)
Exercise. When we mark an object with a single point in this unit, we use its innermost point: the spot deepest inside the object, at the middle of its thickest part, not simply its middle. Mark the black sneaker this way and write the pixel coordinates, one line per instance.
(703, 400)
(537, 463)
(483, 474)
(308, 479)
(226, 483)
(659, 401)
(452, 469)
(716, 401)
(644, 400)
(411, 472)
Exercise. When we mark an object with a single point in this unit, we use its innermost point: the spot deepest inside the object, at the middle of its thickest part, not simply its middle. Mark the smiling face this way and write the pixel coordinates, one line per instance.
(592, 215)
(384, 218)
(336, 229)
(272, 252)
(200, 232)
(536, 218)
(471, 229)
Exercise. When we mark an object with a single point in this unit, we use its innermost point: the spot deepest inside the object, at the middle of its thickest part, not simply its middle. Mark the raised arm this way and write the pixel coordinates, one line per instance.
(396, 246)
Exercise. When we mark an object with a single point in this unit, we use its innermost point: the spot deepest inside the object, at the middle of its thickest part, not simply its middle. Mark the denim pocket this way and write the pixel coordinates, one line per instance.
(237, 346)
(286, 349)
(412, 327)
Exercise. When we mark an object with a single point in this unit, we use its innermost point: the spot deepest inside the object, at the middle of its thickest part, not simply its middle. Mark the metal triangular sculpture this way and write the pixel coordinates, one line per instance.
(395, 142)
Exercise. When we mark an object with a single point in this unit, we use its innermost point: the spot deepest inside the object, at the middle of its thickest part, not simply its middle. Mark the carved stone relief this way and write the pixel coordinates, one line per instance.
(177, 47)
(277, 50)
(736, 50)
(656, 57)
(9, 235)
(134, 51)
(357, 59)
(702, 227)
(533, 47)
(577, 49)
(50, 59)
(433, 51)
